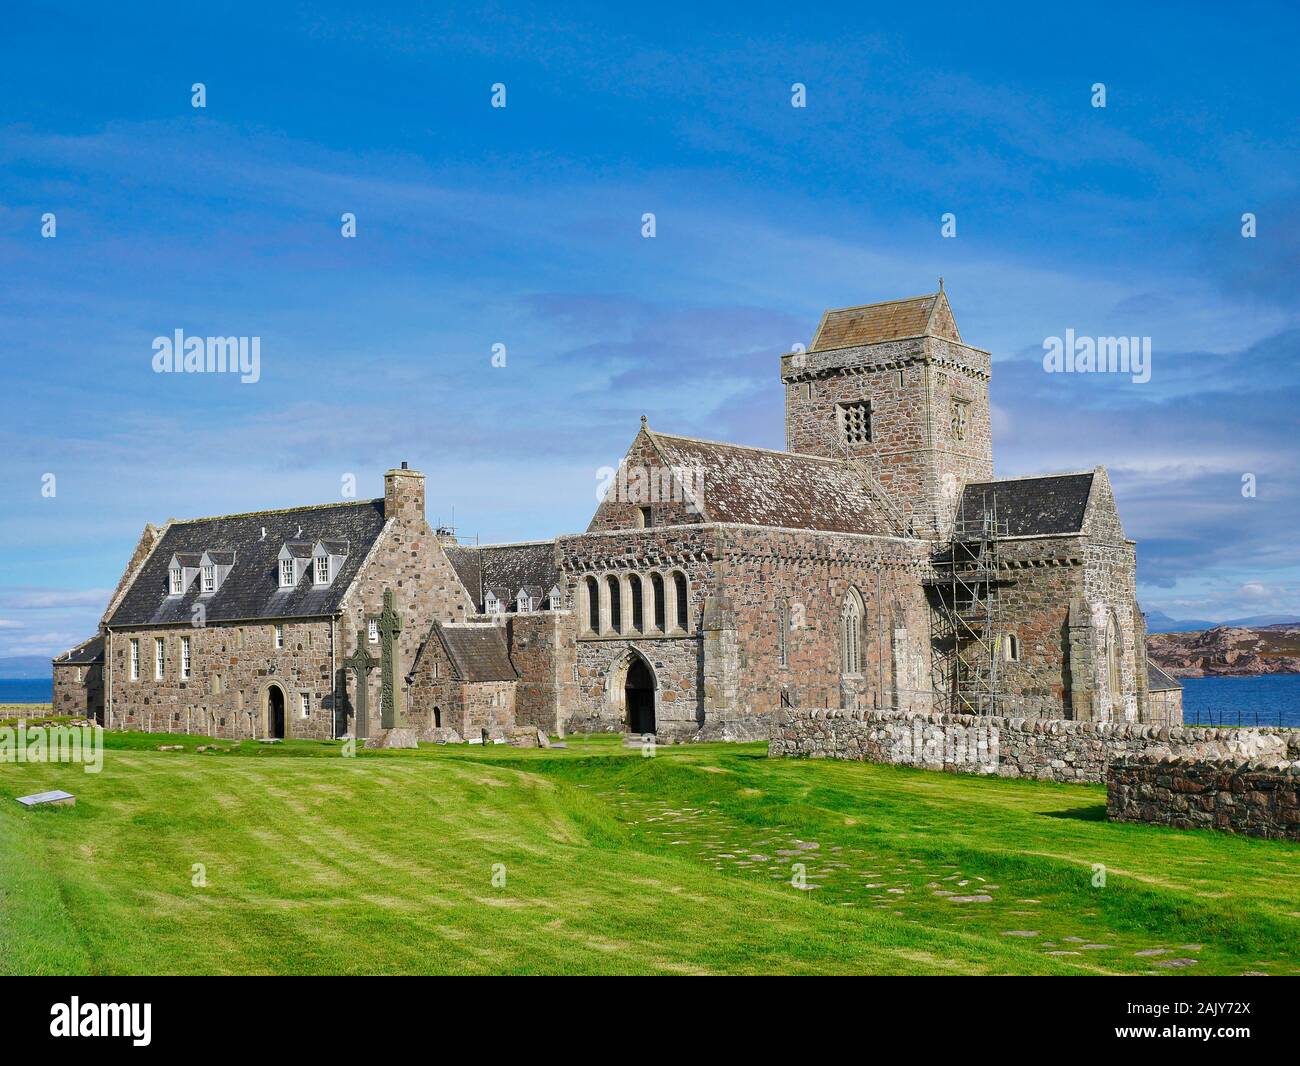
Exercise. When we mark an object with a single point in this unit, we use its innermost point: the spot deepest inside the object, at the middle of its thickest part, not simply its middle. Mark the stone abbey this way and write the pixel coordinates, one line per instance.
(875, 563)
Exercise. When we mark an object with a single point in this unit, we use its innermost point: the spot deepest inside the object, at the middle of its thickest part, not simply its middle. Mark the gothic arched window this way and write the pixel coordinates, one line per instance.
(851, 633)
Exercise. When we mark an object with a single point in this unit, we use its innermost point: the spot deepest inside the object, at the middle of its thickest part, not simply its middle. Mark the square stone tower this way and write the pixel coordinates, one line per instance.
(893, 387)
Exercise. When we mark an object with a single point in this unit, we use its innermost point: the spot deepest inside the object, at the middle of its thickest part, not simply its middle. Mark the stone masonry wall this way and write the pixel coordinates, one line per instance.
(812, 574)
(79, 696)
(543, 648)
(231, 669)
(1260, 799)
(1046, 750)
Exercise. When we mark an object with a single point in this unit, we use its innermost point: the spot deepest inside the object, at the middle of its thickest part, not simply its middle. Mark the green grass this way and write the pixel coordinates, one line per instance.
(614, 863)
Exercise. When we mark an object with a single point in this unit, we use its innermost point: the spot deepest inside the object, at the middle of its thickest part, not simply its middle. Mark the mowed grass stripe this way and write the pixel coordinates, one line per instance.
(383, 863)
(392, 873)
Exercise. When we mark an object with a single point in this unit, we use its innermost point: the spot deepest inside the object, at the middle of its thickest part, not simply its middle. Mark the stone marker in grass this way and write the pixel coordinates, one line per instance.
(57, 798)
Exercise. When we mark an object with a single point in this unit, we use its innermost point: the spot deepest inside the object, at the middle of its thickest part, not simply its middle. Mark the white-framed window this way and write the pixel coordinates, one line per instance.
(304, 704)
(491, 605)
(322, 569)
(185, 658)
(178, 581)
(135, 660)
(372, 630)
(279, 636)
(209, 577)
(159, 658)
(78, 675)
(286, 573)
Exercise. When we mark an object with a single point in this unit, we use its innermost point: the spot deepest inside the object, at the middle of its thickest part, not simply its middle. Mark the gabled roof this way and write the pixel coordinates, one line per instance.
(87, 653)
(478, 652)
(755, 486)
(916, 316)
(1159, 681)
(251, 590)
(503, 569)
(1028, 506)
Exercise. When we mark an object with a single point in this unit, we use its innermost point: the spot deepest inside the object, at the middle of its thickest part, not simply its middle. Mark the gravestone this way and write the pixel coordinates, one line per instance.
(57, 798)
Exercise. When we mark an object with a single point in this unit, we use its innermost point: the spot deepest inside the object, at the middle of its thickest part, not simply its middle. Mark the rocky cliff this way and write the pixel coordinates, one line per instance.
(1228, 651)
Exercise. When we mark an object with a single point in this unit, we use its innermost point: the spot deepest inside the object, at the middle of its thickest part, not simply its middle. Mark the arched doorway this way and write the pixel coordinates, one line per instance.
(275, 712)
(639, 697)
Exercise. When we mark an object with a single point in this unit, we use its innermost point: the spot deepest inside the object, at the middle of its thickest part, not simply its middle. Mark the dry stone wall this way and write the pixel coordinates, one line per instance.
(1049, 750)
(1257, 798)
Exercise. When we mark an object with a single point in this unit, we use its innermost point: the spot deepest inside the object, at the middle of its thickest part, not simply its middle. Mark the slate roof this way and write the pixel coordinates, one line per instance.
(478, 652)
(1159, 681)
(849, 327)
(251, 590)
(1029, 506)
(755, 486)
(465, 560)
(504, 568)
(86, 653)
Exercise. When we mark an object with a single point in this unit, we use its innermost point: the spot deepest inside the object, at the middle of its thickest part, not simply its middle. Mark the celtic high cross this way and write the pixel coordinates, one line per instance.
(390, 628)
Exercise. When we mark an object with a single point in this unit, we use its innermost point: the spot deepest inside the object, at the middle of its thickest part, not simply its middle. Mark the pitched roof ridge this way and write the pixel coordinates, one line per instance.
(275, 510)
(751, 448)
(77, 647)
(1032, 477)
(884, 303)
(508, 544)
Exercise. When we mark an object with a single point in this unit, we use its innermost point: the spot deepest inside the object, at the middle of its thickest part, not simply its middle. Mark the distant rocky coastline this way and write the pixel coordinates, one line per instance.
(1228, 651)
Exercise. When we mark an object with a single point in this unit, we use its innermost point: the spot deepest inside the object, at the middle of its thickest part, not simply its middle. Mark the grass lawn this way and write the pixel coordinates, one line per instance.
(612, 863)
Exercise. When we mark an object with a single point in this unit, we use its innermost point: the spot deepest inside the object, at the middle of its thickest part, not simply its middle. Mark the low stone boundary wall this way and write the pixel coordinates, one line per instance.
(1260, 799)
(1047, 749)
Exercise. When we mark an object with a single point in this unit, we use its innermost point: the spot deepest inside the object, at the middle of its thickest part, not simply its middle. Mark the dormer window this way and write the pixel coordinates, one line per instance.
(286, 573)
(177, 581)
(322, 569)
(491, 604)
(210, 577)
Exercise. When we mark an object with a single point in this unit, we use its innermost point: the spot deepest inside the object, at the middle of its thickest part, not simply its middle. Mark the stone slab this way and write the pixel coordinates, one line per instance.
(397, 737)
(57, 798)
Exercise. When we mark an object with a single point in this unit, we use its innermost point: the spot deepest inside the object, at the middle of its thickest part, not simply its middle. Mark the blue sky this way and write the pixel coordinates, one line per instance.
(521, 226)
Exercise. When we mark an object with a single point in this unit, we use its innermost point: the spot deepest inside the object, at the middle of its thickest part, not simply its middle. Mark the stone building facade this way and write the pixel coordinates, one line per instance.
(715, 584)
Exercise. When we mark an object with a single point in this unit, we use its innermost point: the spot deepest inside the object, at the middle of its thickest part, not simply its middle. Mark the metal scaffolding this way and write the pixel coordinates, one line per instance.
(965, 629)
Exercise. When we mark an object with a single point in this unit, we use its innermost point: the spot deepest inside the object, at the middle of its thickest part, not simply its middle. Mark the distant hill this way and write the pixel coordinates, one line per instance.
(1159, 622)
(1228, 651)
(23, 667)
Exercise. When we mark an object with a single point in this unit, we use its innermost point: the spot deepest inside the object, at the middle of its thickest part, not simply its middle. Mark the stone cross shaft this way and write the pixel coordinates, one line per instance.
(390, 628)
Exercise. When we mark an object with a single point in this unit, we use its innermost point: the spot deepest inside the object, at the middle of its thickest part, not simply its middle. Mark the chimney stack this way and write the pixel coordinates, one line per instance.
(404, 494)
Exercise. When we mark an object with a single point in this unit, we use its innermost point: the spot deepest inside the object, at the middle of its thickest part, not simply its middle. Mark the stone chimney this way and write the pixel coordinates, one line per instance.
(404, 494)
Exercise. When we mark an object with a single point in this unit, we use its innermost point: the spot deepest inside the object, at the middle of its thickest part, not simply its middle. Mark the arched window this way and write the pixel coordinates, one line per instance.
(615, 604)
(657, 591)
(590, 605)
(437, 718)
(851, 633)
(683, 607)
(782, 628)
(1013, 648)
(638, 614)
(1112, 662)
